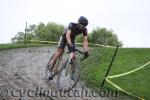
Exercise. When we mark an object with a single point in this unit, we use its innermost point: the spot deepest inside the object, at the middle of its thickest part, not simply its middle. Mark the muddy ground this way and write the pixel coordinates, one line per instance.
(22, 77)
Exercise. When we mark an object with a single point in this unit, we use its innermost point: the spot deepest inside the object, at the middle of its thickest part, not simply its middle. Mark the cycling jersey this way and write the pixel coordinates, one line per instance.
(75, 30)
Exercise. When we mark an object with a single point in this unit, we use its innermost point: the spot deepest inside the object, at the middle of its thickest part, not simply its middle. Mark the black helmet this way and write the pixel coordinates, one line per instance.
(82, 20)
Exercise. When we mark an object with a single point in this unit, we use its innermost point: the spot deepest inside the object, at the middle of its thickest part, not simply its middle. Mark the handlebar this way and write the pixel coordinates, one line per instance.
(81, 52)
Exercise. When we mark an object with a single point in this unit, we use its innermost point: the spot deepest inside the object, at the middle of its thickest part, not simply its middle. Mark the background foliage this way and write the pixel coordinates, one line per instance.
(52, 31)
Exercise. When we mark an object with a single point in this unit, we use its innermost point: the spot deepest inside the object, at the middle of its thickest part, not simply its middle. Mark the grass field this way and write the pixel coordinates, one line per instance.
(20, 45)
(127, 59)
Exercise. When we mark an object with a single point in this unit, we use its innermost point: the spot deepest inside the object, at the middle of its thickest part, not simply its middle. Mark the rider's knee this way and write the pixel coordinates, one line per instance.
(59, 51)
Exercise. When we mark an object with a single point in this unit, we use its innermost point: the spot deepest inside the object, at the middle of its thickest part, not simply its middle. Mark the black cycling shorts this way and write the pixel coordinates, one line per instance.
(62, 42)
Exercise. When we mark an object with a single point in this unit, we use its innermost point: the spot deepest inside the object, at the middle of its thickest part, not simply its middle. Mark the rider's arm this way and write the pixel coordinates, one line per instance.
(85, 43)
(85, 40)
(68, 33)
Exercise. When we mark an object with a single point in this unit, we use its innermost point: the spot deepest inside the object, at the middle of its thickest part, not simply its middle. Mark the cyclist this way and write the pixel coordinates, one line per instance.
(68, 38)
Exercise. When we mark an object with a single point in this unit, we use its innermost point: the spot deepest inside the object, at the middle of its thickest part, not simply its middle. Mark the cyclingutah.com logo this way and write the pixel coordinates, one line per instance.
(41, 92)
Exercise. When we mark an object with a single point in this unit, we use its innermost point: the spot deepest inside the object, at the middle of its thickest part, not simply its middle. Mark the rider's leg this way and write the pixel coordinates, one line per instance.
(53, 61)
(58, 53)
(73, 56)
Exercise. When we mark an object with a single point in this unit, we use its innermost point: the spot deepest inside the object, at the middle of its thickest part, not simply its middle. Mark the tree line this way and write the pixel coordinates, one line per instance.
(52, 31)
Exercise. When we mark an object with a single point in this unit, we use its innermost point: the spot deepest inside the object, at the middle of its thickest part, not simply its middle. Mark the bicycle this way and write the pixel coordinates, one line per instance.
(68, 71)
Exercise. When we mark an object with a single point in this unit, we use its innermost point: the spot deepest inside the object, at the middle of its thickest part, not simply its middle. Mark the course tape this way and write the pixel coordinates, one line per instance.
(119, 75)
(52, 42)
(123, 89)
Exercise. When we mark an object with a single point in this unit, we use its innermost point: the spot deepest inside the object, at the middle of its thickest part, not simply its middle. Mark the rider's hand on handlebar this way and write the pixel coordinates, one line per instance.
(86, 54)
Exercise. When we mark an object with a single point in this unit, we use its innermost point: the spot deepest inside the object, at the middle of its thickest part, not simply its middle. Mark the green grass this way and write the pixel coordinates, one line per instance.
(94, 68)
(20, 45)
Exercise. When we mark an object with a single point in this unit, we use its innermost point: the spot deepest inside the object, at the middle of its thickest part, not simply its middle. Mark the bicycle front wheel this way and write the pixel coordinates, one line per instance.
(68, 75)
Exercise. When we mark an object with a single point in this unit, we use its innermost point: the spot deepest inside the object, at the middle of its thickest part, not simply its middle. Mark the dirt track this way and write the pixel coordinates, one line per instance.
(22, 73)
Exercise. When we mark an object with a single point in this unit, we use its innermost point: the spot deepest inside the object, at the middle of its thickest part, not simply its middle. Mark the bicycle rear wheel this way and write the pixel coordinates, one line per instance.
(68, 75)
